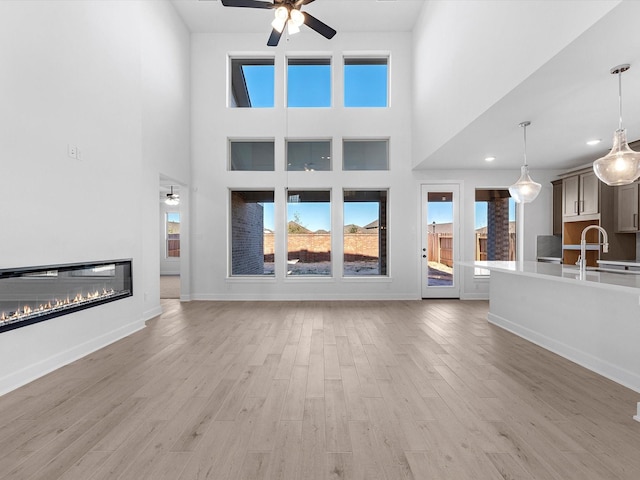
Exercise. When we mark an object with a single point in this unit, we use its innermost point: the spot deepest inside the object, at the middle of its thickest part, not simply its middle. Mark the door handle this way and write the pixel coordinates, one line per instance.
(635, 220)
(575, 206)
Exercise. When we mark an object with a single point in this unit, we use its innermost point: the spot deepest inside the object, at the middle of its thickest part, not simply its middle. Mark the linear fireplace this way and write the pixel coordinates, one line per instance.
(34, 294)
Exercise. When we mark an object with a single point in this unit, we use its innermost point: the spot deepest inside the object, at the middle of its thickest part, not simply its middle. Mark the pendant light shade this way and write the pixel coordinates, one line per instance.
(621, 165)
(525, 190)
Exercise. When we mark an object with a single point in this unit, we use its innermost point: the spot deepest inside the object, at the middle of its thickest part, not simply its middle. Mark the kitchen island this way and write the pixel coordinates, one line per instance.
(594, 321)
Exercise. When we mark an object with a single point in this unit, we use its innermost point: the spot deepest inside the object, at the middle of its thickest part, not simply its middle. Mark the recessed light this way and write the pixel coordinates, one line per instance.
(594, 142)
(489, 159)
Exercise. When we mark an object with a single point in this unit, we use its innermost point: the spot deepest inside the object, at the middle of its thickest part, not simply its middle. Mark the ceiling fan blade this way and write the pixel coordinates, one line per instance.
(320, 27)
(274, 38)
(303, 2)
(247, 3)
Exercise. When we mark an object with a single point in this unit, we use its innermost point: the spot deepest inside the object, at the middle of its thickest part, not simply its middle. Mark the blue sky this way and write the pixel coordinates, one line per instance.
(441, 212)
(317, 216)
(310, 85)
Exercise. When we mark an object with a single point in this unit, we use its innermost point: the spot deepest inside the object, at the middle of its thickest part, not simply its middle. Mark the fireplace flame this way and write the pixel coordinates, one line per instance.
(26, 312)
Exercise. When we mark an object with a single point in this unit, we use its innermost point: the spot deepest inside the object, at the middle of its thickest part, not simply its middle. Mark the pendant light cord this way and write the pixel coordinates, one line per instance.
(620, 97)
(524, 125)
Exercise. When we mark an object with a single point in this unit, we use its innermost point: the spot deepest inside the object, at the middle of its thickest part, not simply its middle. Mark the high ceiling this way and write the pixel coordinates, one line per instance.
(344, 15)
(570, 99)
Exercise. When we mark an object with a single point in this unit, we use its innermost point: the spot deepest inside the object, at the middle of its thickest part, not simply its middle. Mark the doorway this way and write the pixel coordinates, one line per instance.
(170, 240)
(440, 241)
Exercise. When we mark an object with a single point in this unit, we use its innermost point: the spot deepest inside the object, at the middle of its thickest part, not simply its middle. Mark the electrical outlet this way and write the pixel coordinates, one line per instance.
(72, 151)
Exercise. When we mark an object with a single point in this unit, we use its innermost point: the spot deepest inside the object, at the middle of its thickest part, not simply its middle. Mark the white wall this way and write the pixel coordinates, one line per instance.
(166, 77)
(455, 83)
(538, 214)
(77, 73)
(213, 122)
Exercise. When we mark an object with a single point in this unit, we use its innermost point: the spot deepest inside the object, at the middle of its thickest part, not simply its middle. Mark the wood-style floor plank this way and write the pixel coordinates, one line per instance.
(403, 390)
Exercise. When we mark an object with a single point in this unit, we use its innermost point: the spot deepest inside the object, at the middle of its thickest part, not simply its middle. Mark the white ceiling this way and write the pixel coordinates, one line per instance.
(343, 15)
(569, 100)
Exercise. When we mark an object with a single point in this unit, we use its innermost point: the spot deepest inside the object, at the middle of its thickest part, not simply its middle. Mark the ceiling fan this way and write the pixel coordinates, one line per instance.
(287, 13)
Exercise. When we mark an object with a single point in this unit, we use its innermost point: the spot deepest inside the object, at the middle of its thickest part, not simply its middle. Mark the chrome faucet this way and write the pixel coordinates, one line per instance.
(583, 246)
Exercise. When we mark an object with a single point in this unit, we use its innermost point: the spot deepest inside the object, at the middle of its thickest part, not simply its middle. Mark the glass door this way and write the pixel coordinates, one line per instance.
(440, 243)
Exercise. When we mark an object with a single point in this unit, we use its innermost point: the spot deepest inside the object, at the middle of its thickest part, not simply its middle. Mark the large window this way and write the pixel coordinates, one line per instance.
(365, 155)
(365, 232)
(308, 156)
(365, 82)
(309, 232)
(495, 226)
(252, 227)
(173, 234)
(309, 82)
(251, 155)
(252, 82)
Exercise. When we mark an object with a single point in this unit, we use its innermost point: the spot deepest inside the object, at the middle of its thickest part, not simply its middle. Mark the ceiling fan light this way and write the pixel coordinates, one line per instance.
(292, 28)
(278, 24)
(172, 198)
(297, 18)
(621, 166)
(282, 13)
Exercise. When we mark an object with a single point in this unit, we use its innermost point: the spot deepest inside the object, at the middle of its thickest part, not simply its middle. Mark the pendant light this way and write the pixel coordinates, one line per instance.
(525, 190)
(621, 165)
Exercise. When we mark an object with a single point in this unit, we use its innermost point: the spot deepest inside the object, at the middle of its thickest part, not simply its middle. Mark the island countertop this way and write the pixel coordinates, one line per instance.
(564, 273)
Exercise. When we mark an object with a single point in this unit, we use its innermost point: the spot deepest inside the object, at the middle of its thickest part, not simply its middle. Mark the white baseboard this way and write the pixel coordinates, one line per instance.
(608, 370)
(474, 296)
(152, 313)
(298, 297)
(31, 372)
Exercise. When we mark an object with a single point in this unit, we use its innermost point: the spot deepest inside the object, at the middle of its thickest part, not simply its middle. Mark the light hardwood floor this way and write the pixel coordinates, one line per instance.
(320, 390)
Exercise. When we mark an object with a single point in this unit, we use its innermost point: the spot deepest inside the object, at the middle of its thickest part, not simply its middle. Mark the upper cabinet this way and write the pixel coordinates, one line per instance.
(580, 195)
(626, 208)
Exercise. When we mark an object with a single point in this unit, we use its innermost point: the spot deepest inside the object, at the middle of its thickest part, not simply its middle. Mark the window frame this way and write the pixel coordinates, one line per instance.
(386, 140)
(230, 226)
(313, 60)
(367, 59)
(236, 95)
(382, 237)
(482, 273)
(288, 262)
(171, 211)
(232, 140)
(288, 141)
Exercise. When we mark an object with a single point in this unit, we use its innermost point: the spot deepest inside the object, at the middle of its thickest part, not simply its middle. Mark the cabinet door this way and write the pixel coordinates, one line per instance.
(589, 193)
(570, 188)
(627, 208)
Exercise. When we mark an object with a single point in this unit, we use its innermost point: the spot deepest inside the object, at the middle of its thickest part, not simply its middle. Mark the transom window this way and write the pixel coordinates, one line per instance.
(309, 82)
(252, 82)
(365, 82)
(254, 155)
(365, 155)
(308, 156)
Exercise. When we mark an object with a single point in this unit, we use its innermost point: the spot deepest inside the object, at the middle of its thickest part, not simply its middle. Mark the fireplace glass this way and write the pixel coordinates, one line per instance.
(34, 294)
